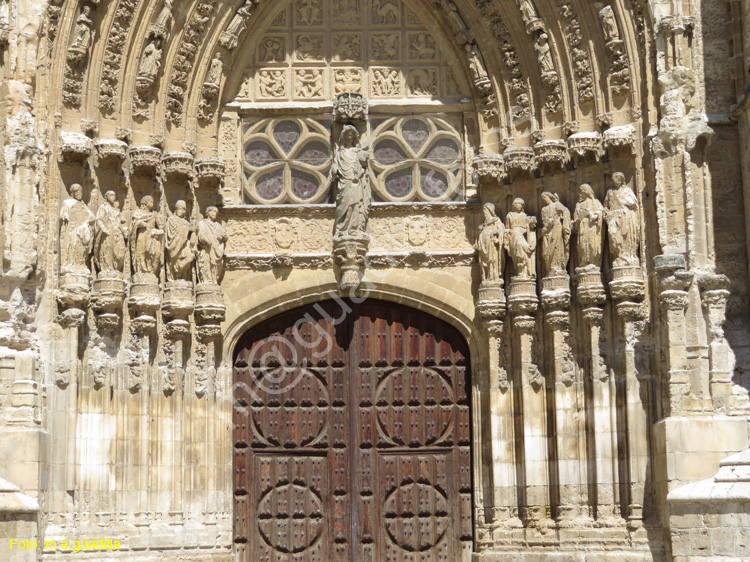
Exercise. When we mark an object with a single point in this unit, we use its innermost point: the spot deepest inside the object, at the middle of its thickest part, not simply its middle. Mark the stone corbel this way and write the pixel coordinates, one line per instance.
(112, 151)
(178, 166)
(488, 165)
(620, 139)
(585, 147)
(210, 172)
(145, 160)
(551, 155)
(519, 160)
(75, 148)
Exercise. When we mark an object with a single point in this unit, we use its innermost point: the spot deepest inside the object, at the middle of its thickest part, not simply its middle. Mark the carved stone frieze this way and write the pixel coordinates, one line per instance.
(513, 72)
(578, 51)
(185, 59)
(116, 44)
(619, 71)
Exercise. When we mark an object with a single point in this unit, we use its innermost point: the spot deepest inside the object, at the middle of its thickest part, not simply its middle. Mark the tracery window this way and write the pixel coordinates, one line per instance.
(416, 158)
(286, 161)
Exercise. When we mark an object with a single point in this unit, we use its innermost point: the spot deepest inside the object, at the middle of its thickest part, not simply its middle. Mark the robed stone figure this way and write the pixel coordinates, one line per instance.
(490, 245)
(623, 223)
(179, 246)
(111, 235)
(556, 230)
(353, 197)
(147, 239)
(76, 233)
(520, 240)
(588, 221)
(212, 239)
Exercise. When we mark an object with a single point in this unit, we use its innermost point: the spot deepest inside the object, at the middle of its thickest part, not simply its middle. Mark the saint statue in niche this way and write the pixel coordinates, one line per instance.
(623, 223)
(111, 235)
(215, 70)
(609, 24)
(212, 239)
(84, 30)
(76, 233)
(179, 246)
(544, 54)
(490, 245)
(353, 197)
(556, 229)
(588, 221)
(151, 61)
(147, 239)
(520, 240)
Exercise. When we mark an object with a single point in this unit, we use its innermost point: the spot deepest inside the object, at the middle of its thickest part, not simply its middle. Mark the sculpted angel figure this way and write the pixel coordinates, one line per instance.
(76, 233)
(544, 53)
(165, 16)
(520, 240)
(623, 223)
(353, 197)
(588, 222)
(111, 235)
(180, 249)
(556, 229)
(490, 245)
(212, 239)
(147, 239)
(478, 72)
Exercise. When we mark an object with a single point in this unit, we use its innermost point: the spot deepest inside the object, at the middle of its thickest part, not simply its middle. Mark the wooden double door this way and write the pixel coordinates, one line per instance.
(352, 437)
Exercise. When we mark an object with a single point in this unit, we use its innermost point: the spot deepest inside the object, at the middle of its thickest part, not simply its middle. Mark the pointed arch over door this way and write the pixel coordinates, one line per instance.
(352, 437)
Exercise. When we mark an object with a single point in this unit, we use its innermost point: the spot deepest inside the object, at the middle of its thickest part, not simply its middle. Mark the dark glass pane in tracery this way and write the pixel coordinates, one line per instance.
(434, 184)
(287, 134)
(304, 185)
(388, 153)
(269, 186)
(415, 134)
(314, 153)
(259, 154)
(399, 184)
(444, 151)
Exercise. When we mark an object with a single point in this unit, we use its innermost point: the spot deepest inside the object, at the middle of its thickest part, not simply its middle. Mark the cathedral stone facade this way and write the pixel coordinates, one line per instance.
(374, 280)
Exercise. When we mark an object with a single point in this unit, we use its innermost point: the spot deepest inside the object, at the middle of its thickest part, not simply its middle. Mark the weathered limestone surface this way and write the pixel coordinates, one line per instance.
(565, 182)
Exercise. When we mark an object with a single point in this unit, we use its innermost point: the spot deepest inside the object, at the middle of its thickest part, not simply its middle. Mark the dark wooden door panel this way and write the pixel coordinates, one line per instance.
(352, 438)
